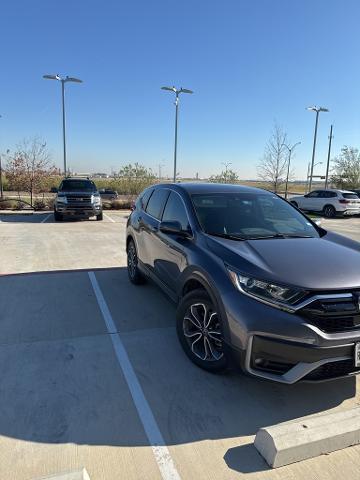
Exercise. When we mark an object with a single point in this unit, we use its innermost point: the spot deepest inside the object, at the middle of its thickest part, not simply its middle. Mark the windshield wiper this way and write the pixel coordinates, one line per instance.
(226, 235)
(280, 235)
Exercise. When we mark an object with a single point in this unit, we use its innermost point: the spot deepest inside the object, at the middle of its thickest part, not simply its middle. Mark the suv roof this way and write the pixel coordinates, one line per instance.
(213, 188)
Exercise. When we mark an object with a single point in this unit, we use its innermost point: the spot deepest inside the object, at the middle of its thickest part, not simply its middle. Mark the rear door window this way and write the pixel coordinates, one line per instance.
(156, 203)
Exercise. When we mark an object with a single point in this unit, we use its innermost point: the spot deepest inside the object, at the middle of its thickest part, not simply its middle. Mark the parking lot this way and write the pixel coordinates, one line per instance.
(93, 375)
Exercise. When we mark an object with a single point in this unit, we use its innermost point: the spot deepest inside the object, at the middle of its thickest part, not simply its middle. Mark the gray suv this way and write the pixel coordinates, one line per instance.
(257, 283)
(77, 198)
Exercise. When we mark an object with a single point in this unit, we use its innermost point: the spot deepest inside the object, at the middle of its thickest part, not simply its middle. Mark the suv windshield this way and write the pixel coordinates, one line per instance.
(250, 216)
(77, 185)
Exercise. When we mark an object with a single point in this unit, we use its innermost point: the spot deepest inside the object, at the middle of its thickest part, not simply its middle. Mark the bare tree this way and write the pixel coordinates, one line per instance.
(273, 166)
(29, 167)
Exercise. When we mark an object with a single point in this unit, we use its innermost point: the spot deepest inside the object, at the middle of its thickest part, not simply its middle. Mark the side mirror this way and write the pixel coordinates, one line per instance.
(173, 227)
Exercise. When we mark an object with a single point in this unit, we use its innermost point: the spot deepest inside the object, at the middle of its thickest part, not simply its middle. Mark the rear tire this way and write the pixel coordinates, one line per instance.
(199, 330)
(57, 216)
(329, 211)
(99, 217)
(135, 276)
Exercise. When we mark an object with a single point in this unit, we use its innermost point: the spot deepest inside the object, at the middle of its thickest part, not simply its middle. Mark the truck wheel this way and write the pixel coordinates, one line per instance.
(100, 216)
(57, 216)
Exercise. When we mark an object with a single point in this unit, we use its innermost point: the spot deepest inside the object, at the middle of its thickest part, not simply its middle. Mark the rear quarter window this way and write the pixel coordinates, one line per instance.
(350, 196)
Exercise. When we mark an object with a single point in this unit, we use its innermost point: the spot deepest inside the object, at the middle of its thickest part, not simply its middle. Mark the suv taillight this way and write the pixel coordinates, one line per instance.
(342, 200)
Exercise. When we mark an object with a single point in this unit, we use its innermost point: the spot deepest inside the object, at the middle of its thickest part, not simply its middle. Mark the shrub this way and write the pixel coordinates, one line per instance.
(6, 204)
(39, 204)
(50, 203)
(121, 204)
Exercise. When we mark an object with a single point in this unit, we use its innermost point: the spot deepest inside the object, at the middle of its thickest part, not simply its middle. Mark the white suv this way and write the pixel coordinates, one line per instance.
(329, 202)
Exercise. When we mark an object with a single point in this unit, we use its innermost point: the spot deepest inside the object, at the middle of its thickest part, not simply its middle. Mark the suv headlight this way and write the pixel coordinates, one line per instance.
(61, 199)
(96, 199)
(267, 292)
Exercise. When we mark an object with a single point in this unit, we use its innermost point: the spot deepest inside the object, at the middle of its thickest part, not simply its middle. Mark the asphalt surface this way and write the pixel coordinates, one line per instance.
(93, 375)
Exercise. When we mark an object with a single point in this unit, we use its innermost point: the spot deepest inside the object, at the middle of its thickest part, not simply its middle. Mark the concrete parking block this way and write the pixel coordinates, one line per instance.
(299, 440)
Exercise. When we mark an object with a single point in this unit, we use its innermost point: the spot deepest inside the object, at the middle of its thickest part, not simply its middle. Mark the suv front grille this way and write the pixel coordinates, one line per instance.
(333, 370)
(78, 199)
(333, 315)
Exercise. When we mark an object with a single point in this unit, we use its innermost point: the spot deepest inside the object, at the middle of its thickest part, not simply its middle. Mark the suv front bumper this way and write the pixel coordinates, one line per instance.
(78, 211)
(283, 347)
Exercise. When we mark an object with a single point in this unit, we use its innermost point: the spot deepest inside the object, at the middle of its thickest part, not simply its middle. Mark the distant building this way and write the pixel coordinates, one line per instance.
(100, 175)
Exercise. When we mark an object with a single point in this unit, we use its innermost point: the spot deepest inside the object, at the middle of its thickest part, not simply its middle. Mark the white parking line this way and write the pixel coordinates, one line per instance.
(161, 453)
(109, 218)
(46, 218)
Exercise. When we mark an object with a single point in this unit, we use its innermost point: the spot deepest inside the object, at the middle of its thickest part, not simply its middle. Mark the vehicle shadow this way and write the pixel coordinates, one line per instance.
(61, 382)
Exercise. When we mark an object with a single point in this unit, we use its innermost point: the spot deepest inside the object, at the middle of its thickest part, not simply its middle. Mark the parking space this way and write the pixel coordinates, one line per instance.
(64, 398)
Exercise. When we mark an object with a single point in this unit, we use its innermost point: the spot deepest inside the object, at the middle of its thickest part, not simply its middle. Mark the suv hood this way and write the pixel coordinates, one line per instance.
(331, 262)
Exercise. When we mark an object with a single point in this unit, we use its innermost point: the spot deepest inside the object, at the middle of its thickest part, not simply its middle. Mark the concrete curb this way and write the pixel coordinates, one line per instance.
(298, 440)
(77, 475)
(17, 212)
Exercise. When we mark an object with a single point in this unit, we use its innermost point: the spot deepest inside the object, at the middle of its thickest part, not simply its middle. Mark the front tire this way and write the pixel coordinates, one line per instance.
(329, 211)
(57, 216)
(199, 330)
(99, 217)
(134, 273)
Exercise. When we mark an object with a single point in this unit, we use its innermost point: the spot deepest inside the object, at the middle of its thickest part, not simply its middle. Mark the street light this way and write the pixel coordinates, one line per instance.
(290, 150)
(317, 110)
(226, 164)
(63, 81)
(177, 93)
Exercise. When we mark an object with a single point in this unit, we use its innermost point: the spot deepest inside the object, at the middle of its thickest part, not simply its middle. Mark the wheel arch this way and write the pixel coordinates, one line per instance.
(198, 280)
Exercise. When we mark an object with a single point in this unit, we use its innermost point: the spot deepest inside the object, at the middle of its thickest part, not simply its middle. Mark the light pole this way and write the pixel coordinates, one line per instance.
(226, 164)
(159, 166)
(317, 110)
(63, 81)
(331, 136)
(290, 150)
(177, 93)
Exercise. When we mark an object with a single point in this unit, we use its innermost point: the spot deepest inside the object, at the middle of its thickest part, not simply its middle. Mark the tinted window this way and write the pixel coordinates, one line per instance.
(77, 185)
(175, 210)
(144, 198)
(314, 194)
(249, 215)
(331, 194)
(156, 203)
(352, 196)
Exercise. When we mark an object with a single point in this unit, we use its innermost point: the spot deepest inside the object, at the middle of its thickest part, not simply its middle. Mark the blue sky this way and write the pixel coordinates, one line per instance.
(249, 62)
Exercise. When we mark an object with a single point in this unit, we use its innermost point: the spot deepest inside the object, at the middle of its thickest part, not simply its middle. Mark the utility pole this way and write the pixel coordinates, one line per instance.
(159, 166)
(328, 158)
(290, 150)
(226, 164)
(307, 179)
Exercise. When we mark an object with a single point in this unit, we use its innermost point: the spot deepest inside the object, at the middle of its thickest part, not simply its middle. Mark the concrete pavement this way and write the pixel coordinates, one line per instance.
(64, 400)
